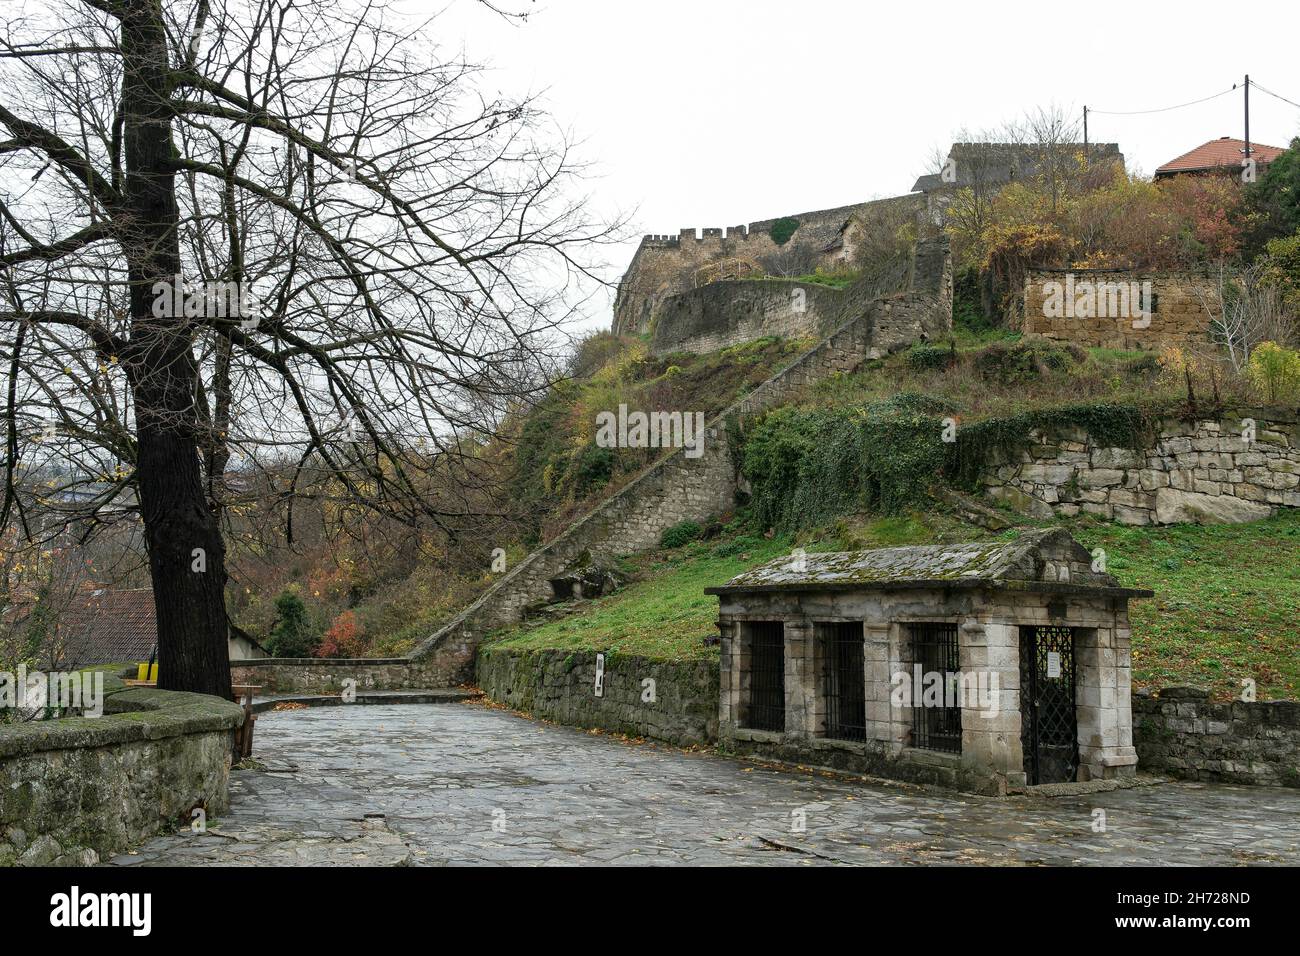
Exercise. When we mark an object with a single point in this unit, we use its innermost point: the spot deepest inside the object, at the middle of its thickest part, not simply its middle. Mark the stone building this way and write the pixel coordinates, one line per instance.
(983, 666)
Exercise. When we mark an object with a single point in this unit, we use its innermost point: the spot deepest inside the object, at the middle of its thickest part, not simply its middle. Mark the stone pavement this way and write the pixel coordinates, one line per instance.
(467, 784)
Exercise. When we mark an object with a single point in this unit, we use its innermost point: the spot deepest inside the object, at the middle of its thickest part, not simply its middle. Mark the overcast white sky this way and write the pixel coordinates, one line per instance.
(718, 112)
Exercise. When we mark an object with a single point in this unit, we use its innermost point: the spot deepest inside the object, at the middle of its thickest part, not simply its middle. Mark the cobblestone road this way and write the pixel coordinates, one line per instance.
(465, 784)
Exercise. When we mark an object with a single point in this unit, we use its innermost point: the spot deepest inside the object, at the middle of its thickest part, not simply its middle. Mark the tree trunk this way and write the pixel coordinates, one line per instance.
(186, 555)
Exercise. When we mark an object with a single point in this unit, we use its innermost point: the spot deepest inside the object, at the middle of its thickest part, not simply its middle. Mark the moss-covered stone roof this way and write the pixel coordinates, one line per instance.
(1001, 563)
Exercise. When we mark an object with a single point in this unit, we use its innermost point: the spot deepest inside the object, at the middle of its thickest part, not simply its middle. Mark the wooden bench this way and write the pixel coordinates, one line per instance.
(244, 737)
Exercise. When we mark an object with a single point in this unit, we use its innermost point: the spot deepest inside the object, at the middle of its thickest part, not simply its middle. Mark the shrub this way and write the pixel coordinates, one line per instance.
(783, 229)
(924, 358)
(292, 634)
(1012, 363)
(345, 638)
(1275, 371)
(679, 534)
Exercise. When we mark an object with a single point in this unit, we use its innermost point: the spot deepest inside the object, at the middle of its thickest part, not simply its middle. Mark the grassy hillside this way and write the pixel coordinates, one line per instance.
(1226, 607)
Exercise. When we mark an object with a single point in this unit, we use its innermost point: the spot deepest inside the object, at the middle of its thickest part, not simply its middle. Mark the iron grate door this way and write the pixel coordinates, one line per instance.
(766, 709)
(843, 680)
(1049, 729)
(935, 648)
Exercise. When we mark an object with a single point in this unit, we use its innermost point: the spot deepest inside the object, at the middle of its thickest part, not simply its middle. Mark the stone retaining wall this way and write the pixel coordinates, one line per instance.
(74, 791)
(559, 686)
(1181, 732)
(1203, 471)
(1177, 732)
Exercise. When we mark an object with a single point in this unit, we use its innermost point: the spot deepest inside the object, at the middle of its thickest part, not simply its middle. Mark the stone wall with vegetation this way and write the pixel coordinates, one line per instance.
(75, 791)
(1181, 732)
(559, 685)
(1179, 318)
(1201, 470)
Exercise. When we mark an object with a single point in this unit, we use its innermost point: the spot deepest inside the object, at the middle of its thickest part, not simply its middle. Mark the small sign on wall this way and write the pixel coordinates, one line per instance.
(1053, 664)
(600, 675)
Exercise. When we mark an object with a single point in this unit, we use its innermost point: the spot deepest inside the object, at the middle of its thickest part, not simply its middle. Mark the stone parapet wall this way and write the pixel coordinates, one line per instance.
(1179, 318)
(1202, 471)
(279, 675)
(1181, 732)
(76, 790)
(559, 685)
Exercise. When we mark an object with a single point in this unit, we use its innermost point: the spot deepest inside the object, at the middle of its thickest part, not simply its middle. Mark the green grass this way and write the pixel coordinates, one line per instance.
(665, 616)
(1227, 602)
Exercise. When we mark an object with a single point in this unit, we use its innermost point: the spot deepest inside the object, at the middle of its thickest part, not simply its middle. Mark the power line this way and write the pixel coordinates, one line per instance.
(1274, 95)
(1166, 109)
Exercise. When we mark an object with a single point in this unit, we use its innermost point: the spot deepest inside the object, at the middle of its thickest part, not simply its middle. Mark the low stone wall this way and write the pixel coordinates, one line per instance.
(1181, 732)
(559, 686)
(287, 675)
(1177, 732)
(1202, 471)
(76, 790)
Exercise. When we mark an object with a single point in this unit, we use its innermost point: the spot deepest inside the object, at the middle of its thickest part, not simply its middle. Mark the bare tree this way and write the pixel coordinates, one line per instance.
(402, 249)
(1245, 310)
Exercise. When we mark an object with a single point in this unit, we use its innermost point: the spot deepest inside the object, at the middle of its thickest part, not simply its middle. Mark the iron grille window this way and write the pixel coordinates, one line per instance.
(934, 647)
(843, 682)
(766, 710)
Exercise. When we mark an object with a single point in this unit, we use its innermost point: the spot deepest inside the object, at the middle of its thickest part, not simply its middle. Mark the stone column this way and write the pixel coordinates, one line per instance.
(883, 724)
(800, 688)
(990, 718)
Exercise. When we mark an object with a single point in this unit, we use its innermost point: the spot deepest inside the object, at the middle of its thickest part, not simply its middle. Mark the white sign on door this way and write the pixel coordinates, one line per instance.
(1053, 664)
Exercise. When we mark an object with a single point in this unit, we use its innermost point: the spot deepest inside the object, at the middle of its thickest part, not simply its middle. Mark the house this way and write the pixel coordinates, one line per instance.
(1222, 155)
(104, 626)
(984, 666)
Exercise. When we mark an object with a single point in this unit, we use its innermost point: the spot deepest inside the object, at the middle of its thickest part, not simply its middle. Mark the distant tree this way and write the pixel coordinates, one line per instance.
(292, 634)
(1276, 198)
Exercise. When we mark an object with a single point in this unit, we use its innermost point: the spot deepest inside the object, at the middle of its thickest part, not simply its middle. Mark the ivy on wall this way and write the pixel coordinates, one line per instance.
(809, 466)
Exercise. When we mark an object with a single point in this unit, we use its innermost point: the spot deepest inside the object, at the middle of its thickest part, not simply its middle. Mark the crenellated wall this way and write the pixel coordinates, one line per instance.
(666, 265)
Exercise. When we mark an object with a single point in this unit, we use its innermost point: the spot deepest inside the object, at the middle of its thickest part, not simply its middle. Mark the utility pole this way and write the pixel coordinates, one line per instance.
(1085, 135)
(1248, 116)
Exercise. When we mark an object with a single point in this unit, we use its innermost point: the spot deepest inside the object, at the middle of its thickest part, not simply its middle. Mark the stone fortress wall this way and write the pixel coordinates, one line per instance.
(666, 265)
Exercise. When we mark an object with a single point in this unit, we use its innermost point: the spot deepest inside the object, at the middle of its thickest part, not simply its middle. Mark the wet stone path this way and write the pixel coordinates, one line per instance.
(465, 784)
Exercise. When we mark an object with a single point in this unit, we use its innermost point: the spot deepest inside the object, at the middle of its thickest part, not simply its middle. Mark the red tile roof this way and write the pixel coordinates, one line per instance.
(110, 627)
(1218, 153)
